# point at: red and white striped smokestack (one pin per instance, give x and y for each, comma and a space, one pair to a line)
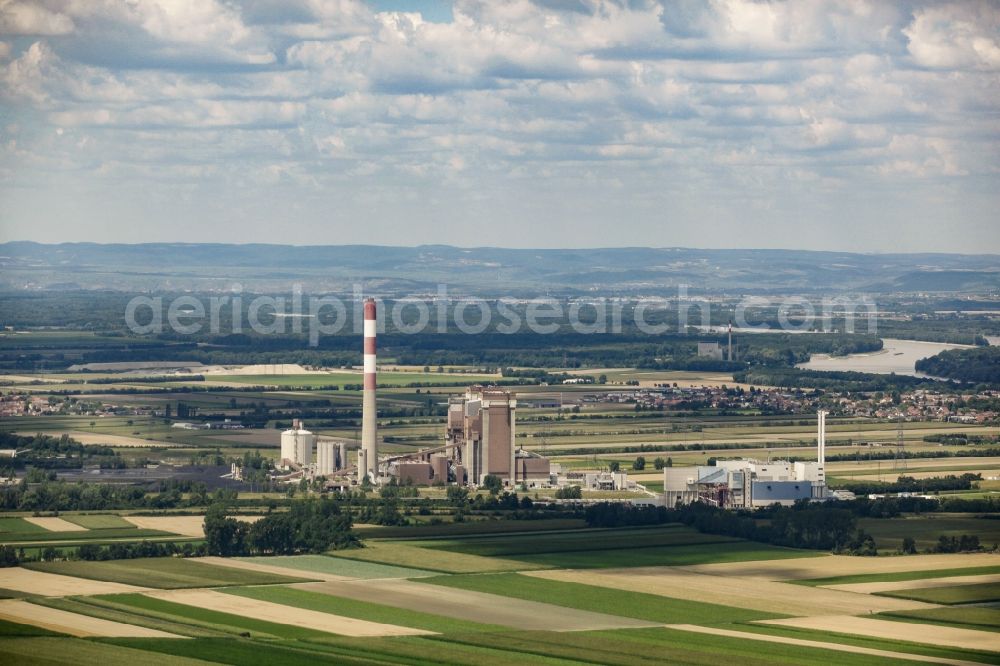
368, 463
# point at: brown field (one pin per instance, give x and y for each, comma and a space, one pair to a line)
844, 565
193, 526
55, 585
103, 440
926, 583
841, 647
55, 524
74, 624
764, 595
474, 606
969, 639
234, 563
271, 612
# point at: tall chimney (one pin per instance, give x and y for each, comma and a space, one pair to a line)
821, 444
730, 357
368, 463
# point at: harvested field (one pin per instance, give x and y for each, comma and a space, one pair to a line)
193, 526
828, 566
474, 606
927, 583
770, 596
970, 639
54, 585
271, 612
55, 524
841, 647
73, 624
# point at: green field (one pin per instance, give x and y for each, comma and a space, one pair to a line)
19, 526
52, 651
98, 521
337, 566
405, 554
926, 529
898, 576
652, 607
83, 536
672, 556
328, 603
955, 594
224, 622
342, 379
163, 572
973, 617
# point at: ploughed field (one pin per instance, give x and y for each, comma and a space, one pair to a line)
551, 596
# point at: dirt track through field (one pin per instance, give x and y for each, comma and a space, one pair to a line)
55, 524
840, 647
474, 606
55, 585
234, 563
829, 566
764, 595
898, 631
193, 526
926, 583
73, 624
272, 612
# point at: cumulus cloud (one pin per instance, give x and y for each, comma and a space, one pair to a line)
510, 109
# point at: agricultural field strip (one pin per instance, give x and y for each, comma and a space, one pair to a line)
927, 583
478, 607
99, 439
339, 568
764, 595
826, 566
235, 563
401, 554
841, 647
192, 526
912, 632
54, 524
74, 624
890, 475
281, 614
46, 584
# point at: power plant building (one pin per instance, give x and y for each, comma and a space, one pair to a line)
747, 484
481, 434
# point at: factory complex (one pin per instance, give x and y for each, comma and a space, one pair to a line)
479, 441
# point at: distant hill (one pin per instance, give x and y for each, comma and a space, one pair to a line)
487, 271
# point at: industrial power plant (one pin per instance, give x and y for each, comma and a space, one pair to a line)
479, 441
747, 483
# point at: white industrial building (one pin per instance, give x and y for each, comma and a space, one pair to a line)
744, 484
296, 446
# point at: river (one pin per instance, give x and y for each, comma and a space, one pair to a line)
899, 356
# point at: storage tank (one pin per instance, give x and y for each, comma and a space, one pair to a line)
296, 445
326, 457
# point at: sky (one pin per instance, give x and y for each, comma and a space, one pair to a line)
861, 125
